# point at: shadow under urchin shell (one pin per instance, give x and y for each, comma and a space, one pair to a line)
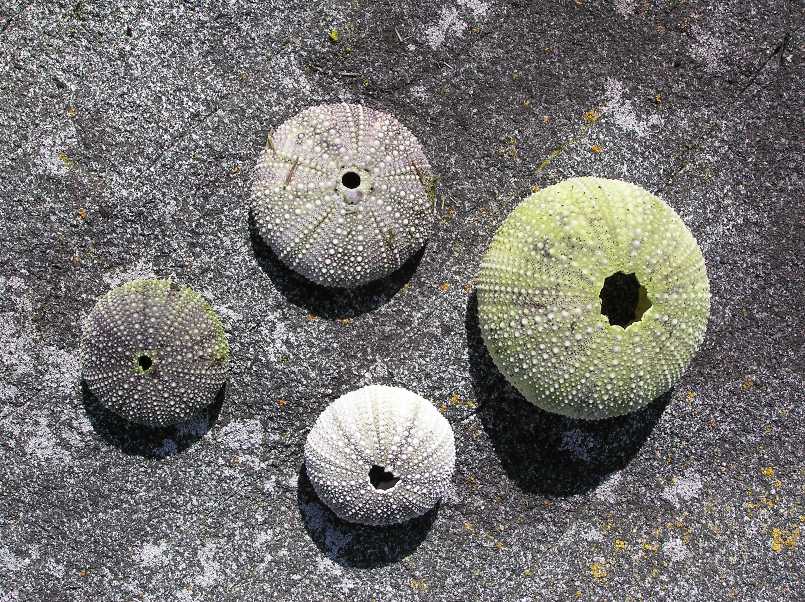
135, 439
358, 546
547, 453
327, 302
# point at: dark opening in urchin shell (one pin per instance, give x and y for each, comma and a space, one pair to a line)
153, 352
343, 194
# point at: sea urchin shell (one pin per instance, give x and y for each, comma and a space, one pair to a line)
343, 194
593, 297
154, 352
380, 455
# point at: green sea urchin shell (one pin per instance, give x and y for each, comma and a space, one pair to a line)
565, 255
343, 194
154, 352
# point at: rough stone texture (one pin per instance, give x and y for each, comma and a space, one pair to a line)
129, 133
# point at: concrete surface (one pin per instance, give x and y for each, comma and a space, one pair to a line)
128, 131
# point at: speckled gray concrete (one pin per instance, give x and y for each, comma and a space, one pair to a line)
128, 134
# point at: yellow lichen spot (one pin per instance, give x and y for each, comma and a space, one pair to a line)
333, 35
527, 573
619, 544
651, 547
657, 98
526, 103
597, 148
592, 116
344, 321
499, 545
767, 471
72, 111
598, 571
65, 158
419, 585
535, 188
781, 538
469, 527
747, 383
468, 287
444, 287
82, 213
443, 408
691, 395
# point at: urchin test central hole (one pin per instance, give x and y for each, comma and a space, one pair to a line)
350, 179
623, 299
145, 362
382, 479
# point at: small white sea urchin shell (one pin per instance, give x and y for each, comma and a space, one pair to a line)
154, 352
343, 194
593, 297
380, 455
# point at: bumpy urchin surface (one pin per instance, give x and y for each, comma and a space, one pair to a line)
380, 455
343, 194
541, 294
154, 352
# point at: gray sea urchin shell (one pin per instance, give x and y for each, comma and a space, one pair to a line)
153, 352
343, 194
593, 297
380, 455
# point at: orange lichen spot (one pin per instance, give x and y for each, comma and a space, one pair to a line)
83, 573
781, 538
747, 383
657, 98
444, 287
546, 119
598, 571
443, 408
282, 402
82, 213
547, 503
767, 471
591, 116
312, 317
597, 148
619, 544
468, 286
535, 188
236, 168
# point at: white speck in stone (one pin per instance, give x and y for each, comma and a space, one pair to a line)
478, 7
62, 370
211, 568
142, 269
683, 489
625, 8
241, 434
592, 534
449, 22
675, 550
11, 563
623, 113
151, 555
607, 491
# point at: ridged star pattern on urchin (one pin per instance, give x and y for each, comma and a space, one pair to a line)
343, 194
540, 297
380, 455
154, 352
